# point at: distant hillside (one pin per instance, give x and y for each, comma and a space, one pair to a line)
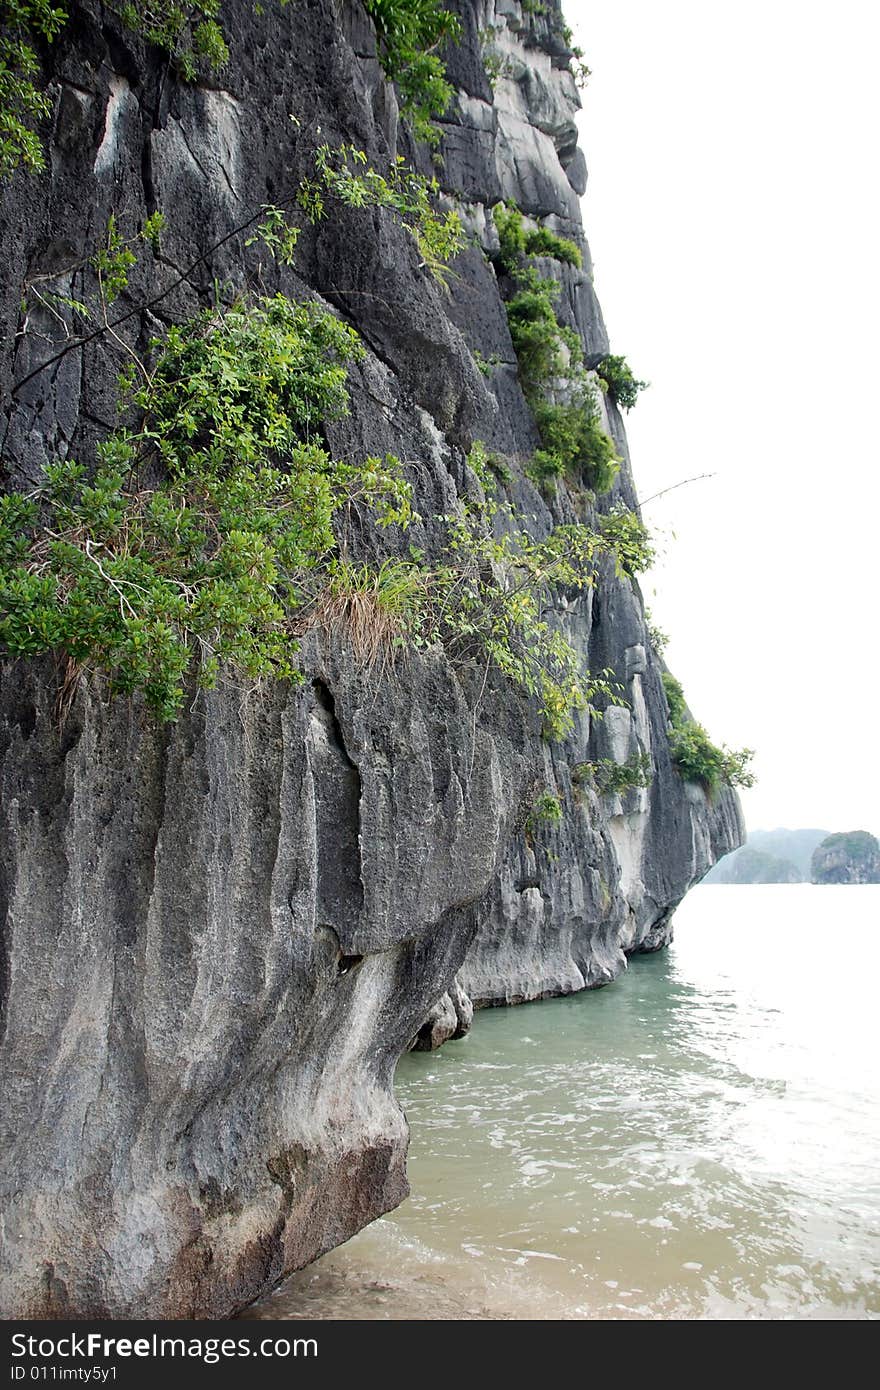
753, 866
789, 853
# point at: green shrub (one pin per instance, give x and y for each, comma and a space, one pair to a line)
345, 175
22, 106
694, 754
543, 242
535, 333
621, 385
486, 365
488, 466
576, 66
516, 242
546, 811
511, 235
656, 636
610, 777
500, 467
234, 552
410, 32
187, 32
494, 61
630, 538
574, 444
696, 757
675, 699
483, 601
489, 600
137, 580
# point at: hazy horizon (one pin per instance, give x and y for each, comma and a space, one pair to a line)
734, 224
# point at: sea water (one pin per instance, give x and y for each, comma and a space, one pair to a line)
698, 1140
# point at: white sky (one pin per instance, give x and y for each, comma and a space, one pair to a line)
732, 212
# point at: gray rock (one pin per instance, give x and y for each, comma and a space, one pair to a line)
450, 1018
576, 171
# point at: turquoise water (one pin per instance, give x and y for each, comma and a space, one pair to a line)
698, 1140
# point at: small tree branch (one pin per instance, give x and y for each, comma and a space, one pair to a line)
643, 501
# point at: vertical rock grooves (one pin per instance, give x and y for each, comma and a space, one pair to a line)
218, 937
337, 783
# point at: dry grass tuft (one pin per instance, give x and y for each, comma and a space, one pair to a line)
375, 608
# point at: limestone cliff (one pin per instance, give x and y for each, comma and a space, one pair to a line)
220, 934
851, 857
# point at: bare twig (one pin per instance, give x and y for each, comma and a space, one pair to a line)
112, 582
643, 501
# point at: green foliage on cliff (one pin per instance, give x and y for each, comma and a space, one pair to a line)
491, 600
488, 466
536, 335
675, 699
377, 606
212, 532
511, 235
622, 386
189, 33
630, 538
516, 241
573, 443
550, 360
543, 242
698, 759
610, 777
482, 601
495, 63
135, 578
118, 256
545, 347
546, 810
410, 33
345, 175
577, 67
23, 25
656, 636
209, 534
486, 601
694, 754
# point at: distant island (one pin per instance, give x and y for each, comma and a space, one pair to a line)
852, 857
770, 856
801, 856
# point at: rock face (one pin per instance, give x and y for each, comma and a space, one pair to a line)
220, 935
851, 857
